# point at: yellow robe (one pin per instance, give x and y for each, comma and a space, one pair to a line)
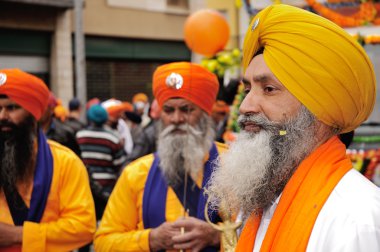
121, 227
68, 221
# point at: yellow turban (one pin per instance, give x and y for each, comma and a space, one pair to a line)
317, 61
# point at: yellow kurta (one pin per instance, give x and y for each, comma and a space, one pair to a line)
121, 228
68, 221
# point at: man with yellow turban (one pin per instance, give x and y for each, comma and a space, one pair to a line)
160, 194
45, 198
306, 80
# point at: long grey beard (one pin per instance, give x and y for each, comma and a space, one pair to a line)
255, 170
181, 153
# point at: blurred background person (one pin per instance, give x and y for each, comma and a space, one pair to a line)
219, 114
102, 153
146, 141
55, 129
115, 109
133, 120
73, 118
140, 102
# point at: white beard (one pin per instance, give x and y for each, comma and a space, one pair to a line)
181, 153
256, 168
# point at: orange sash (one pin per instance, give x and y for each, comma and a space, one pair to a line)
301, 201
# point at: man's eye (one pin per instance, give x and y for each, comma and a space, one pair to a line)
12, 107
269, 89
168, 110
186, 109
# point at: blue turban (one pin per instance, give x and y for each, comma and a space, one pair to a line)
97, 114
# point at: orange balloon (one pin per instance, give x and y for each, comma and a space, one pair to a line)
206, 32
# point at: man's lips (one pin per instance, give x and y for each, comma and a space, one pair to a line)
5, 128
251, 127
178, 131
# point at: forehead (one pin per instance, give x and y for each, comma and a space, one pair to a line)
178, 102
259, 71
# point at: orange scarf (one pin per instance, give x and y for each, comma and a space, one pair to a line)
301, 201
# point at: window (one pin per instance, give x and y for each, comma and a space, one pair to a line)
177, 5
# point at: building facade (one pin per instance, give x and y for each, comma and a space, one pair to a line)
124, 41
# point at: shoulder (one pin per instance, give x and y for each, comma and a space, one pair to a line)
65, 159
138, 169
63, 127
357, 193
60, 150
352, 210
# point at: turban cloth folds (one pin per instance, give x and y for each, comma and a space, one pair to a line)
323, 66
197, 84
116, 107
27, 90
96, 113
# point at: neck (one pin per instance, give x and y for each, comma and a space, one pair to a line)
74, 114
323, 134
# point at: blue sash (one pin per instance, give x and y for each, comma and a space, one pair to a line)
155, 193
43, 175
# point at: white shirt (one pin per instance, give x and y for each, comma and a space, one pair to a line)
125, 133
349, 221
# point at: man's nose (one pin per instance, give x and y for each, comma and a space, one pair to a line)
177, 117
250, 104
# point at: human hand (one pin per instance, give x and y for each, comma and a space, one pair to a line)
198, 234
10, 235
160, 238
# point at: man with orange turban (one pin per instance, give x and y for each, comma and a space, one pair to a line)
45, 199
306, 81
160, 194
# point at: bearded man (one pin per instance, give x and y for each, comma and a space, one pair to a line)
306, 80
45, 199
147, 206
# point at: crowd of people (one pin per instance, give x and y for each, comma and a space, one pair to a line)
139, 175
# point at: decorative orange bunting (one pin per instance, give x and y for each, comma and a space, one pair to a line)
366, 14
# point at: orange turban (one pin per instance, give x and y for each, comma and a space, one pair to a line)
91, 102
25, 89
221, 107
185, 80
115, 107
61, 112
